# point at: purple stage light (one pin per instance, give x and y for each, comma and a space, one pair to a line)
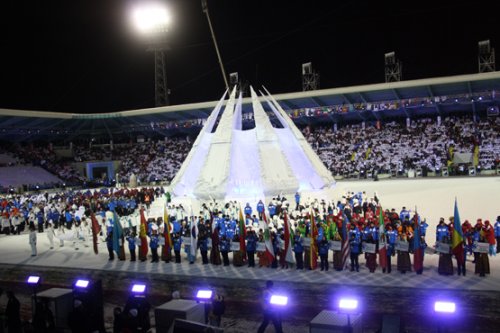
33, 279
82, 283
139, 288
204, 294
279, 300
348, 304
445, 307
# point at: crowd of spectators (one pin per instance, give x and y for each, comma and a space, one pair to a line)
395, 147
355, 150
154, 161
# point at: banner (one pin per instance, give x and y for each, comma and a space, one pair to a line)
306, 241
186, 240
481, 247
402, 246
335, 245
370, 248
381, 245
209, 243
261, 247
442, 247
154, 212
235, 246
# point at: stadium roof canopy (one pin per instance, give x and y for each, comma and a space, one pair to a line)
462, 94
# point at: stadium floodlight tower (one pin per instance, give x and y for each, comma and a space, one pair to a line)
152, 20
486, 56
393, 68
310, 78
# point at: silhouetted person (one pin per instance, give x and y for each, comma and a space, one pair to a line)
218, 309
43, 321
78, 319
118, 320
12, 312
270, 313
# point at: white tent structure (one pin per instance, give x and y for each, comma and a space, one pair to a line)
231, 163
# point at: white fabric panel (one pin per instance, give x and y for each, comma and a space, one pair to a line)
237, 114
185, 179
215, 170
276, 112
303, 169
189, 172
209, 125
244, 177
301, 165
277, 175
318, 165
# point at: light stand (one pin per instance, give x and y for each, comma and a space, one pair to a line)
34, 281
444, 308
205, 296
348, 306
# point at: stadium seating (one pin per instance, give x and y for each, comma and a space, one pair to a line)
17, 176
353, 151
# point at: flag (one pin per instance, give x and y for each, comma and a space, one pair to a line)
346, 250
267, 240
418, 253
382, 250
143, 250
167, 231
118, 237
194, 235
95, 231
243, 236
313, 249
166, 254
288, 240
457, 238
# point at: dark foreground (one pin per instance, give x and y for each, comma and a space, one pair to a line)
478, 311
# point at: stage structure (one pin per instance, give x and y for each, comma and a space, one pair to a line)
231, 163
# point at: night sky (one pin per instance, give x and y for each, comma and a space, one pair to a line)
82, 56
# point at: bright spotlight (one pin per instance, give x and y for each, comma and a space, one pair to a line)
204, 294
82, 283
348, 304
139, 288
150, 18
279, 300
33, 280
445, 307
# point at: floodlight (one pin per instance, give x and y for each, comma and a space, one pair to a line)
33, 280
82, 283
279, 300
348, 304
139, 288
151, 17
445, 307
204, 294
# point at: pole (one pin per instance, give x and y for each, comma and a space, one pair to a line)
205, 10
349, 328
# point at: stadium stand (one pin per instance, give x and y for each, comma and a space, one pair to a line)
16, 176
354, 151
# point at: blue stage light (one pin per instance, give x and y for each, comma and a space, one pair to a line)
279, 300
